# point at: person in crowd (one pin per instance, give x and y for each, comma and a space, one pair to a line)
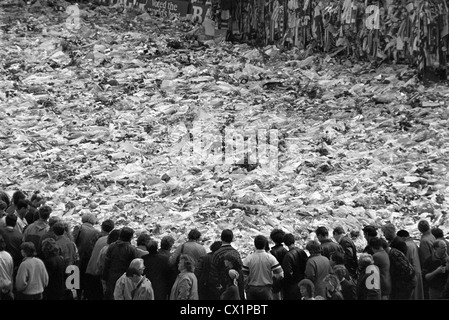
36, 201
118, 257
202, 272
401, 270
141, 244
16, 197
133, 284
369, 232
233, 261
349, 249
439, 235
425, 248
38, 228
413, 258
333, 288
294, 267
55, 266
49, 234
348, 284
307, 289
382, 261
435, 270
21, 210
112, 237
232, 289
67, 247
368, 282
328, 247
13, 240
94, 289
158, 271
278, 251
186, 283
191, 247
389, 232
85, 236
6, 272
317, 267
5, 198
3, 207
32, 276
218, 270
259, 268
167, 243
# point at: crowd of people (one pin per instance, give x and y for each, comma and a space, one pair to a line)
37, 249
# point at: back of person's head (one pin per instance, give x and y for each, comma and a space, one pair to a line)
135, 267
313, 246
333, 283
107, 225
11, 220
338, 257
438, 243
194, 234
37, 197
340, 271
44, 212
370, 231
22, 203
215, 246
18, 195
365, 260
143, 238
277, 235
113, 236
399, 244
49, 247
28, 248
5, 197
389, 231
59, 228
403, 233
233, 258
2, 243
308, 285
423, 226
437, 232
52, 221
227, 236
126, 234
189, 262
376, 243
260, 242
289, 239
338, 230
322, 231
89, 218
167, 242
152, 246
3, 205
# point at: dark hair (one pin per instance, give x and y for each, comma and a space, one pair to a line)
152, 246
18, 195
289, 239
36, 196
437, 232
4, 196
370, 231
113, 236
375, 243
49, 248
338, 230
399, 244
215, 246
403, 233
143, 238
340, 271
126, 234
11, 220
2, 243
28, 248
59, 228
277, 235
322, 231
44, 212
52, 220
189, 262
260, 242
233, 258
227, 236
338, 257
107, 225
167, 242
423, 226
22, 203
308, 285
313, 246
194, 234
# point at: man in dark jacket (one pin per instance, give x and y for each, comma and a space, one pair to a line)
328, 247
118, 257
38, 228
350, 250
294, 266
